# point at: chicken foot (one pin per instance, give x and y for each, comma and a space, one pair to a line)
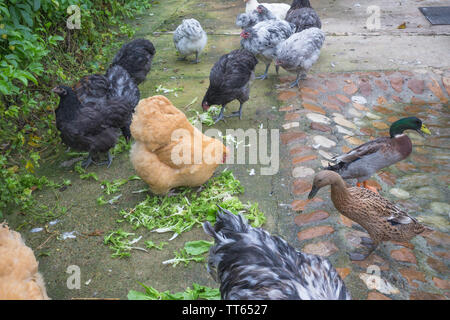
264, 76
107, 162
86, 163
196, 57
220, 116
237, 113
300, 76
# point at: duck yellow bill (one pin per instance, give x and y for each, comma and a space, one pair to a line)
425, 130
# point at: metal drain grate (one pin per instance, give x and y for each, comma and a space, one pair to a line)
436, 15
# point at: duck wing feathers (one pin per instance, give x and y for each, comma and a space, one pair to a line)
373, 146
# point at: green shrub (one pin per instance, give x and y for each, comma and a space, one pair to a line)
38, 51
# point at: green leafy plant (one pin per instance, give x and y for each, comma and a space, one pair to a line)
150, 245
192, 251
37, 51
179, 213
197, 292
119, 243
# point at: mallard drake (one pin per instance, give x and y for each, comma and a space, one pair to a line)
251, 264
363, 161
382, 219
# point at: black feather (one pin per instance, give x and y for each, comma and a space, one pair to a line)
229, 78
136, 57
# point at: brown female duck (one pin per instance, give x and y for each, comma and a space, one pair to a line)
382, 219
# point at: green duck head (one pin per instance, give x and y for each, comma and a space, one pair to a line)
410, 123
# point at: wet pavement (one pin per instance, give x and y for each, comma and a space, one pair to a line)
362, 82
331, 113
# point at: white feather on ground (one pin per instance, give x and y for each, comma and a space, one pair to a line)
190, 38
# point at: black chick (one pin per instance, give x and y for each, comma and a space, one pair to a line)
303, 16
90, 126
116, 83
136, 57
229, 80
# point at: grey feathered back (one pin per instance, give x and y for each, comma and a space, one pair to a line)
301, 50
189, 28
304, 18
250, 263
265, 37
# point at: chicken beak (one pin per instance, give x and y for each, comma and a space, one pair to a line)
313, 192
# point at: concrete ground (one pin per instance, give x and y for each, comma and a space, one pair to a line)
377, 65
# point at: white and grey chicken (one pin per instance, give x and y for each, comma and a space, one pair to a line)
251, 264
247, 20
263, 39
300, 51
190, 38
278, 9
303, 16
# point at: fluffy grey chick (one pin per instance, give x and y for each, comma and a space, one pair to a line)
190, 38
247, 20
263, 39
303, 16
300, 51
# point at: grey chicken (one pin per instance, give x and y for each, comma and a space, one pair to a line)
229, 79
263, 39
190, 38
300, 51
261, 13
303, 16
251, 264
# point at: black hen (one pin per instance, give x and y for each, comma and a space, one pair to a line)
136, 57
90, 126
251, 264
229, 80
303, 16
114, 84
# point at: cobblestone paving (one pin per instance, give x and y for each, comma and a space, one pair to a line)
333, 112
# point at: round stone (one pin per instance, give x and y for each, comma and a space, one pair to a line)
290, 125
370, 115
400, 193
315, 117
344, 131
440, 207
324, 142
325, 154
375, 282
359, 99
301, 172
429, 193
344, 122
354, 113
